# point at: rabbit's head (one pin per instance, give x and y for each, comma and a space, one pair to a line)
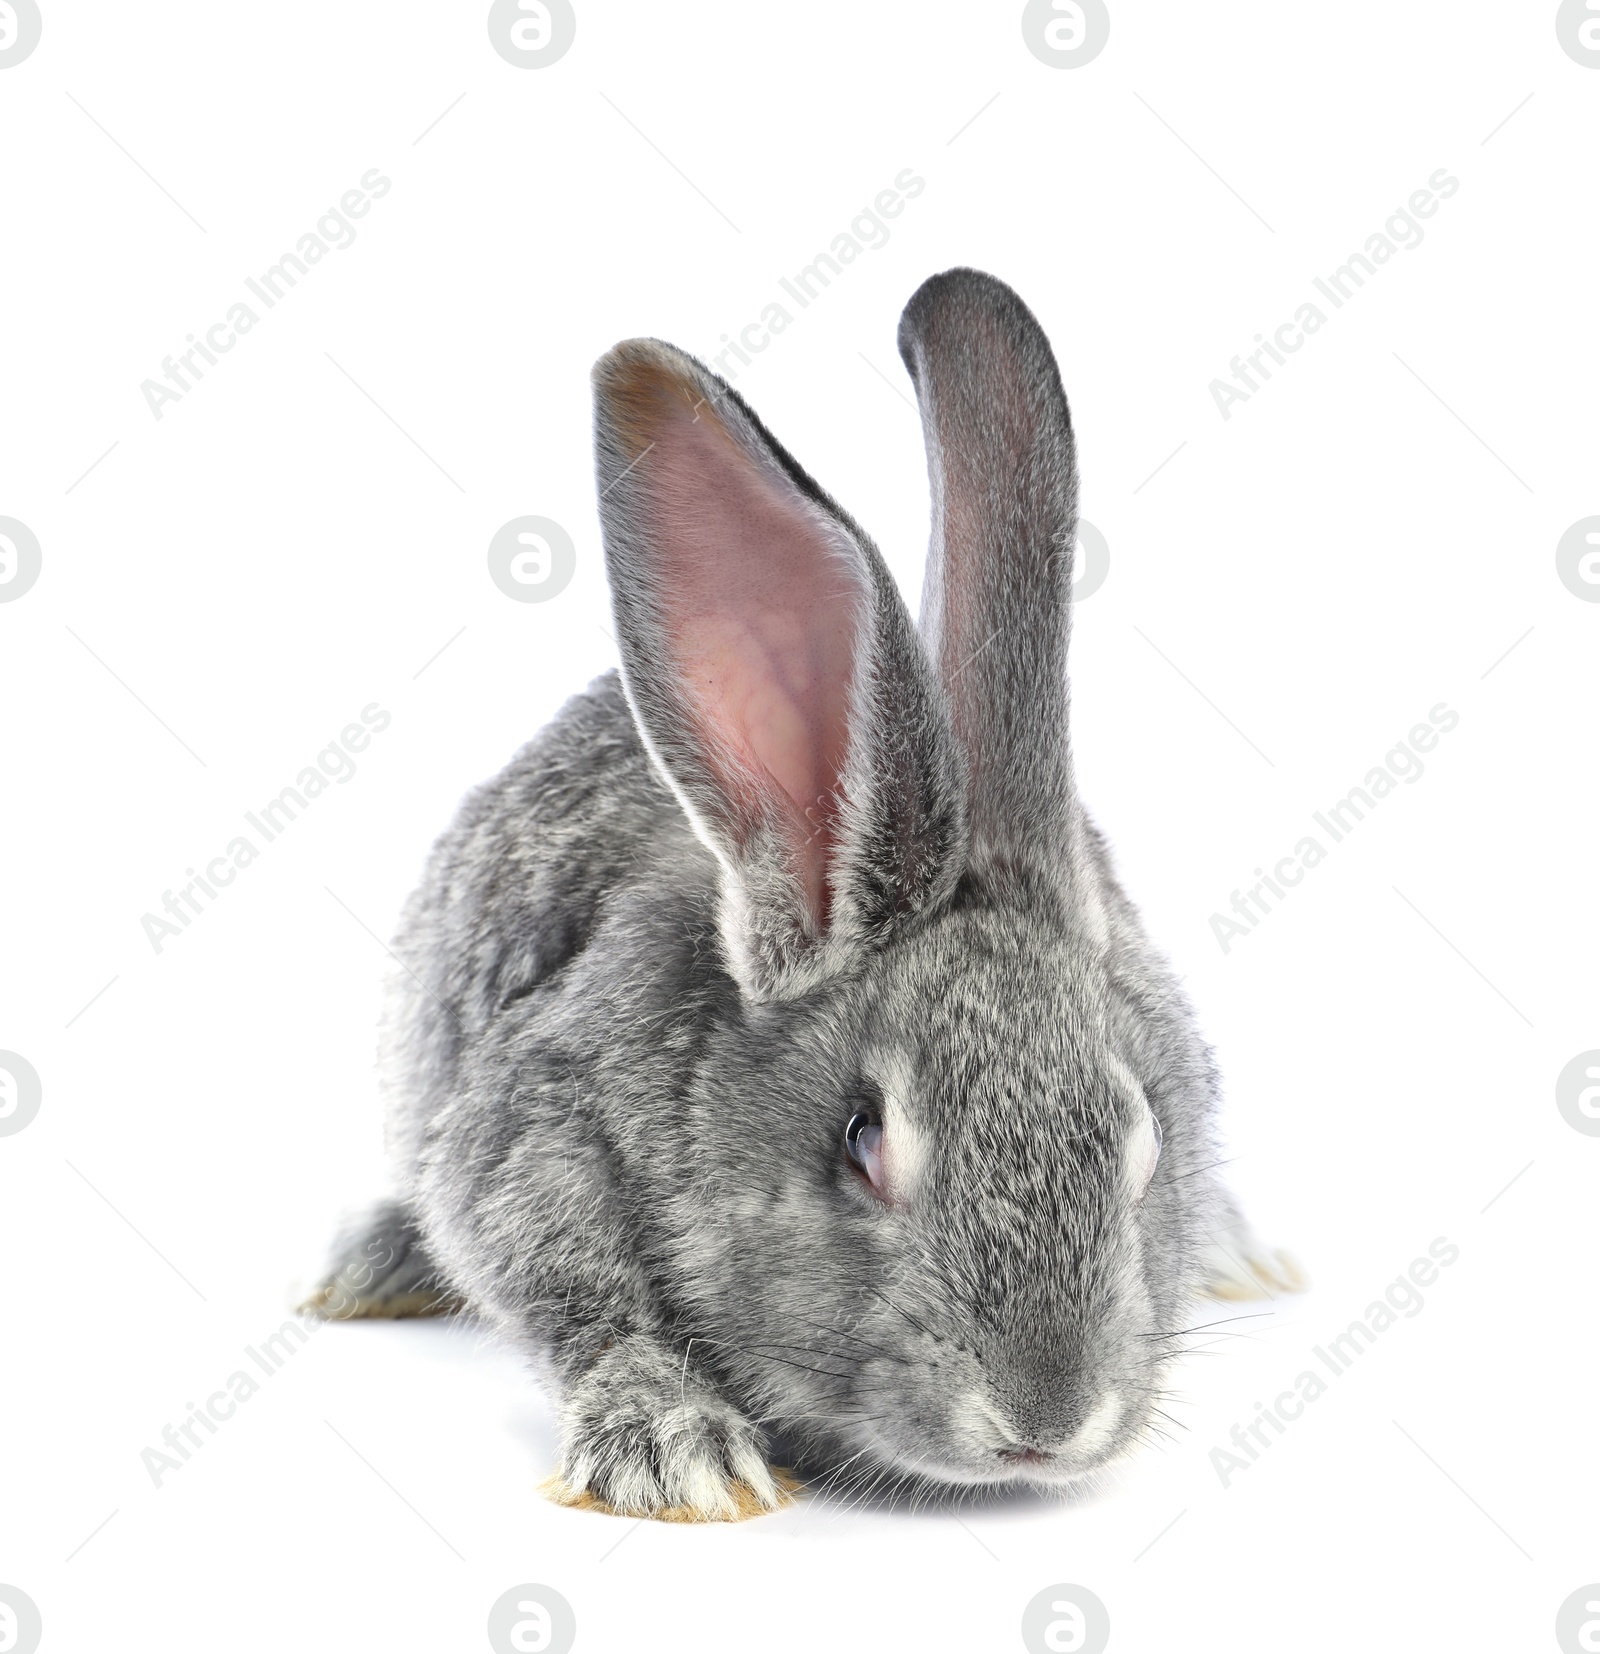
949, 1128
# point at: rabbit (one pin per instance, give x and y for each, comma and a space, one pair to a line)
773, 1054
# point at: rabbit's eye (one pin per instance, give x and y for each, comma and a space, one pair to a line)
863, 1143
1152, 1154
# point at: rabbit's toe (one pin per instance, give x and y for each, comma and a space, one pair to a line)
1240, 1267
644, 1444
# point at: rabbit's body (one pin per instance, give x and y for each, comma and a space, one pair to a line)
811, 870
563, 843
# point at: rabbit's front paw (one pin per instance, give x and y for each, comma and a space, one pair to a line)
642, 1438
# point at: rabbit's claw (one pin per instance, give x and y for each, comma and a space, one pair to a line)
747, 1502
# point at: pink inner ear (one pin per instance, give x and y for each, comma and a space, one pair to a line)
761, 611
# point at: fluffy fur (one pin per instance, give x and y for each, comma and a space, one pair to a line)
795, 855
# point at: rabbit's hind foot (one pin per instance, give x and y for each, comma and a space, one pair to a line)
1240, 1267
380, 1271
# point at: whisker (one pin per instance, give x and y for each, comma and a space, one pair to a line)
1216, 1165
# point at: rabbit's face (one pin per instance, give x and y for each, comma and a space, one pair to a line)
971, 1273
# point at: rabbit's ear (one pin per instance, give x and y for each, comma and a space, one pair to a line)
774, 674
997, 598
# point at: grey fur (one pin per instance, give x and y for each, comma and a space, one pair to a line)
619, 1057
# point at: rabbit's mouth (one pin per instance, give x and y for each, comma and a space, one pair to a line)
1025, 1456
1029, 1467
980, 1447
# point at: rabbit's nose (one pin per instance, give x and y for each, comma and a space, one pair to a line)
1016, 1434
1036, 1429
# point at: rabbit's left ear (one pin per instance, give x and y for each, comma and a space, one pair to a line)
774, 674
997, 602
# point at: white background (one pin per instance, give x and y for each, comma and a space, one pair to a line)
1292, 591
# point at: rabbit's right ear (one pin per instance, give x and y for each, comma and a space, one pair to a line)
774, 673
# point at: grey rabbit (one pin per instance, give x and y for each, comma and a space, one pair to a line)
773, 1054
